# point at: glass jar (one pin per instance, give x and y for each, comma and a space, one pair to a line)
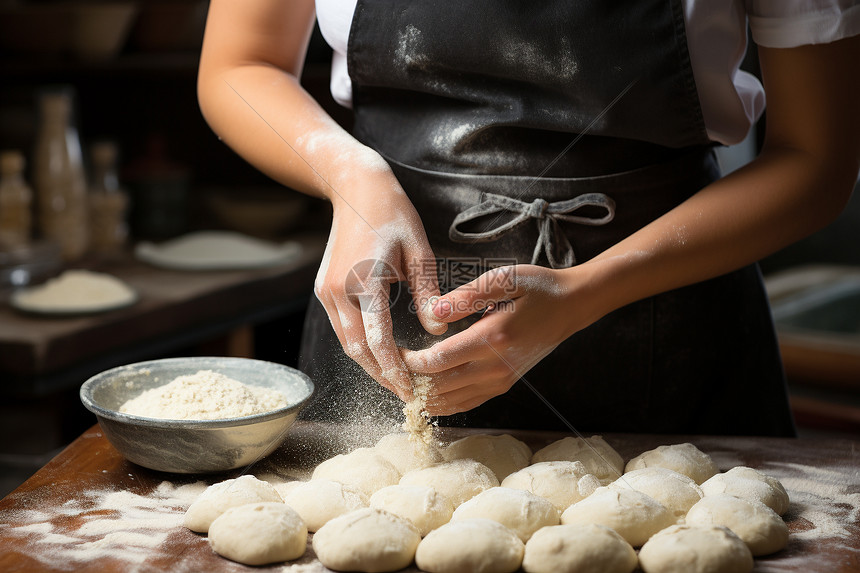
58, 176
16, 199
108, 202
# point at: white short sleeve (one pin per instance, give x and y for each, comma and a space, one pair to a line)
792, 23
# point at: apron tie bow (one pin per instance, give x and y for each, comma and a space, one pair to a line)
537, 208
547, 217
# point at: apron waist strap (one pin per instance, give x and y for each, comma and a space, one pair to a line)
547, 216
486, 216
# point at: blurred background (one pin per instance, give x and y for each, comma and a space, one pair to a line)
126, 72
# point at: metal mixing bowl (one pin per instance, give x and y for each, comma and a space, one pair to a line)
193, 446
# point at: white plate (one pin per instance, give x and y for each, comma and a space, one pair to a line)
216, 250
19, 301
68, 311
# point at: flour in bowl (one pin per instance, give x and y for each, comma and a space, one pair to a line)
206, 395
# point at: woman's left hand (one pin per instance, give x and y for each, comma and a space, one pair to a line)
528, 311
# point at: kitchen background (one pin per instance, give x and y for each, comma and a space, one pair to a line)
130, 70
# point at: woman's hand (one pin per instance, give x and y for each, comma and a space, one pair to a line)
528, 311
376, 239
800, 181
250, 94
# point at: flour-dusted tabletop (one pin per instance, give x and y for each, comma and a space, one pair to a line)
91, 510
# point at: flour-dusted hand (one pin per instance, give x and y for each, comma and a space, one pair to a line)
376, 239
250, 94
528, 311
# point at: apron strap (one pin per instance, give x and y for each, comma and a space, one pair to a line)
546, 215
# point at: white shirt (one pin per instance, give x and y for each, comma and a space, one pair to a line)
731, 100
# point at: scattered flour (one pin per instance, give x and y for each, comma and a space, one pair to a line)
537, 63
410, 48
116, 525
821, 497
450, 137
42, 527
76, 290
206, 395
136, 529
303, 568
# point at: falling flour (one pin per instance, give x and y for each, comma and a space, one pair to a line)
418, 423
206, 395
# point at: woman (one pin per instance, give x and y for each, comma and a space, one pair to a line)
575, 140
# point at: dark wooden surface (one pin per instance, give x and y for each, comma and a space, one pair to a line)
37, 352
37, 525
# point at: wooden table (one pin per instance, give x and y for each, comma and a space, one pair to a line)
91, 510
41, 354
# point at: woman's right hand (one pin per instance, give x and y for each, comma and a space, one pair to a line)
377, 238
250, 94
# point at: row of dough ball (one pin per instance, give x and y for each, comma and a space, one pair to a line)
470, 465
465, 490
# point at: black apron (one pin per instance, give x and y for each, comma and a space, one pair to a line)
545, 133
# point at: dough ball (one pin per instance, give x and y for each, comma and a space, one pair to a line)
321, 500
598, 457
562, 483
457, 480
586, 548
259, 533
751, 484
407, 453
756, 524
695, 549
219, 497
634, 515
368, 540
685, 459
470, 546
503, 454
285, 487
520, 511
676, 491
363, 468
421, 505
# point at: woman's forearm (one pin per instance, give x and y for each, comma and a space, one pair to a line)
266, 117
783, 196
798, 184
250, 95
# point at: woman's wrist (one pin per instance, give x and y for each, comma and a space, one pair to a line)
593, 289
354, 171
367, 187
